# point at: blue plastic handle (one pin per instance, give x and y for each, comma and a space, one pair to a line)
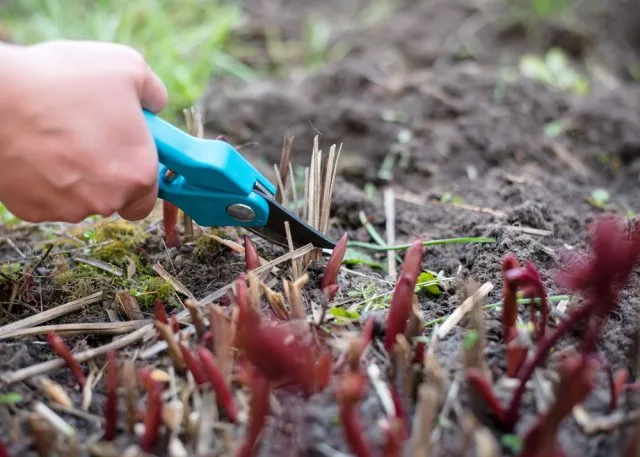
211, 176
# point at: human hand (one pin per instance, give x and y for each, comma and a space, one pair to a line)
73, 138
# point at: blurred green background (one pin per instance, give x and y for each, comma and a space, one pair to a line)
190, 41
186, 42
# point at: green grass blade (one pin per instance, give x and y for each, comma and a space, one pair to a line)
521, 301
428, 243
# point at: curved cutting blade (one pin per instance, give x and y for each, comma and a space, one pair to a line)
275, 232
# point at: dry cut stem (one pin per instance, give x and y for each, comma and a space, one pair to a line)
319, 183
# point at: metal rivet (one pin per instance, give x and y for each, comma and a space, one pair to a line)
170, 175
240, 212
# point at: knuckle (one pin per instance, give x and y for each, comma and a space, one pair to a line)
98, 203
35, 217
104, 209
145, 177
75, 217
79, 213
138, 62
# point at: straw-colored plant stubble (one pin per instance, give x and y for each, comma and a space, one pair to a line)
320, 178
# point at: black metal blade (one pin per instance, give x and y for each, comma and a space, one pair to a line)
301, 232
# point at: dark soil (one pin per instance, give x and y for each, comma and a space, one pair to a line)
429, 85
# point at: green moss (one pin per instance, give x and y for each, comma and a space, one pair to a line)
101, 231
151, 288
118, 230
206, 246
116, 253
10, 270
82, 280
123, 239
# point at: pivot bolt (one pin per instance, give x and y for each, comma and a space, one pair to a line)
241, 212
169, 176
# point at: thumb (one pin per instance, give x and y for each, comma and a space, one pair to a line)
152, 92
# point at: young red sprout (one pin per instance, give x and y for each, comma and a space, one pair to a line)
161, 312
349, 395
482, 389
208, 340
250, 254
577, 380
402, 298
144, 378
517, 350
418, 353
3, 450
170, 223
213, 373
175, 324
631, 450
111, 405
617, 382
510, 304
400, 416
63, 351
395, 435
275, 350
197, 319
367, 332
528, 280
258, 411
329, 284
193, 365
323, 372
278, 354
153, 416
598, 278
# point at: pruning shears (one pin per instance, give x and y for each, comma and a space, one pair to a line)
216, 186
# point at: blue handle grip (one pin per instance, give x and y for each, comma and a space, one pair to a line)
211, 176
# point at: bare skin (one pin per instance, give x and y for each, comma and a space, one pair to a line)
73, 139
